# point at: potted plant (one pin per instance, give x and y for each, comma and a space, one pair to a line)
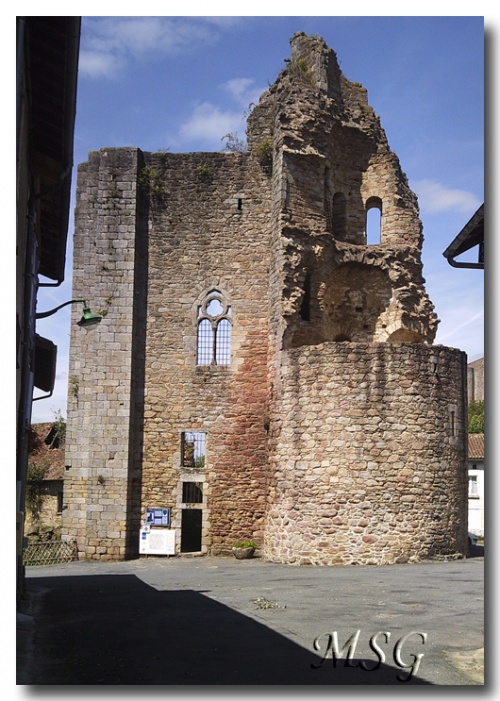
244, 549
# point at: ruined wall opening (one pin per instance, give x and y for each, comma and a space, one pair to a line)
342, 338
373, 226
405, 336
305, 307
339, 216
354, 297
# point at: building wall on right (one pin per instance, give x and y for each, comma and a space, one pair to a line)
476, 497
475, 380
476, 483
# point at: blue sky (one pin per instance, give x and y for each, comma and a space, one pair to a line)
182, 83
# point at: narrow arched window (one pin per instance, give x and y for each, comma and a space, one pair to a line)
223, 342
214, 330
205, 342
373, 221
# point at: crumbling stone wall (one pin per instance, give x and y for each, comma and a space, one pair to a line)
332, 165
334, 429
341, 310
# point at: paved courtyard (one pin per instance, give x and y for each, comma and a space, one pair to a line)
220, 621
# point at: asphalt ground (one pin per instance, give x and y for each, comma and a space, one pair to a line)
226, 622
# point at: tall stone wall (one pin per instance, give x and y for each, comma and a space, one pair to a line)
367, 455
208, 232
156, 235
102, 470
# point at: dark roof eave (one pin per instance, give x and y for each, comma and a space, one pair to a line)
54, 88
471, 235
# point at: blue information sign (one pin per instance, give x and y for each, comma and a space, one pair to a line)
158, 516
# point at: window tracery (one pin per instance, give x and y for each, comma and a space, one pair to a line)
214, 330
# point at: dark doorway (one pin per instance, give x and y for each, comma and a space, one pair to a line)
191, 530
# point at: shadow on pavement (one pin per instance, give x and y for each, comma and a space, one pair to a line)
115, 629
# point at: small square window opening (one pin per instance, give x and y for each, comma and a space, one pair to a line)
192, 492
193, 449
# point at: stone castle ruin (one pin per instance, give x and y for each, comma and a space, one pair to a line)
263, 368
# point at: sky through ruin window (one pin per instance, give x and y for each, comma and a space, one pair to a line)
373, 221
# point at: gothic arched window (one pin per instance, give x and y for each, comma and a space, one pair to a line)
214, 330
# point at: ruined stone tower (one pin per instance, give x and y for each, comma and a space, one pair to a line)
264, 369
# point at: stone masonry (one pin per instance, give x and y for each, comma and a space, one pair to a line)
264, 366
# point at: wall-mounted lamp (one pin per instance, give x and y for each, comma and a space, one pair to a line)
88, 319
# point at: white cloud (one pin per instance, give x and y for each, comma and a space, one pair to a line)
109, 43
434, 197
243, 90
208, 123
459, 301
459, 326
223, 20
95, 64
467, 336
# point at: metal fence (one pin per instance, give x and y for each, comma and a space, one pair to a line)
50, 553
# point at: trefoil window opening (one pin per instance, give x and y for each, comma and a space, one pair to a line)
214, 331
